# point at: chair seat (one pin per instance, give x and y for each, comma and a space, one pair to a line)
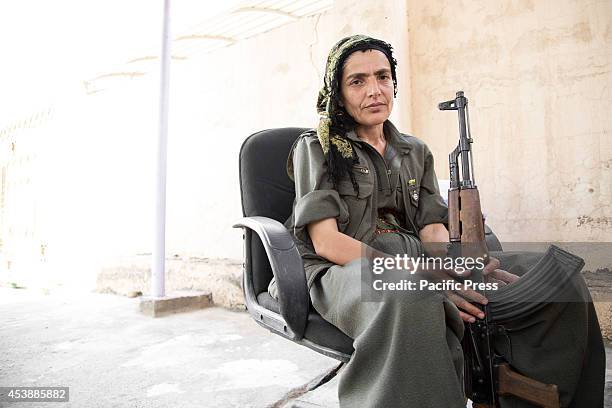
318, 330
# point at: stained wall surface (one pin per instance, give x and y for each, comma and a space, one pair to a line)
97, 168
538, 75
269, 81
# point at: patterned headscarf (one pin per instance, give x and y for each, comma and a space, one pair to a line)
335, 121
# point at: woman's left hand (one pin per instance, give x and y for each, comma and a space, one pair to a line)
464, 298
492, 273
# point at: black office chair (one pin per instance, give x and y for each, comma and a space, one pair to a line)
267, 198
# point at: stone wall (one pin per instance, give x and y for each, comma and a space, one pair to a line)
131, 276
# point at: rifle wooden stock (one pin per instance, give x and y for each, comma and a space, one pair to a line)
512, 383
465, 222
472, 227
509, 382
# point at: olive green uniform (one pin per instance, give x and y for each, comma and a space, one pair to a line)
385, 371
407, 348
356, 211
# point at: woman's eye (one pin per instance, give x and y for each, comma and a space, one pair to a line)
355, 82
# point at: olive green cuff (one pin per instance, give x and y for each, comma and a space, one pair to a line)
319, 205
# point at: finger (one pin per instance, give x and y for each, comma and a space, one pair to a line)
466, 306
438, 274
438, 270
500, 283
466, 317
491, 266
504, 276
472, 295
464, 273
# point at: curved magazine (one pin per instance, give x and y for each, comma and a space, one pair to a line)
554, 278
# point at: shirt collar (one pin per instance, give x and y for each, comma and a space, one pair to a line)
393, 135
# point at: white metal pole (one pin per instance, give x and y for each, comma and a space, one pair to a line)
158, 278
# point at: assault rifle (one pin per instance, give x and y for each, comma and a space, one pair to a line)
486, 374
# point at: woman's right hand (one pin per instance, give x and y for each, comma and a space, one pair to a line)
465, 298
462, 298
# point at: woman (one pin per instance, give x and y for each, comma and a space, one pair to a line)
360, 182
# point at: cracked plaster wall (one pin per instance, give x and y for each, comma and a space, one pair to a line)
538, 75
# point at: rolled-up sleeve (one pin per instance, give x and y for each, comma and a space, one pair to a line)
431, 209
316, 199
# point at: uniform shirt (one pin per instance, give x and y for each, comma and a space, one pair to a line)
390, 206
356, 212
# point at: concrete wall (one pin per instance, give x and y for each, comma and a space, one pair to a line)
219, 99
97, 166
538, 75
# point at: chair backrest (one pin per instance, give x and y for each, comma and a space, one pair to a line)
265, 188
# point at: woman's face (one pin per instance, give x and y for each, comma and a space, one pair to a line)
366, 88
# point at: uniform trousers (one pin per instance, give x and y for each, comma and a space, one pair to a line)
407, 348
408, 352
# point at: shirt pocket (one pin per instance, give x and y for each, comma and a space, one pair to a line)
363, 177
346, 189
357, 203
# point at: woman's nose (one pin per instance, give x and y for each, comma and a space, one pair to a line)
373, 88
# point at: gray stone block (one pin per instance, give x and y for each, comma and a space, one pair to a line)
174, 302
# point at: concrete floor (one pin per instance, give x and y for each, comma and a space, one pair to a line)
110, 355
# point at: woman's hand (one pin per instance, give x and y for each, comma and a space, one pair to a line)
492, 273
466, 299
463, 298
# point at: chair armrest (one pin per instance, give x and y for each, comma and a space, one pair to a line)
287, 268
